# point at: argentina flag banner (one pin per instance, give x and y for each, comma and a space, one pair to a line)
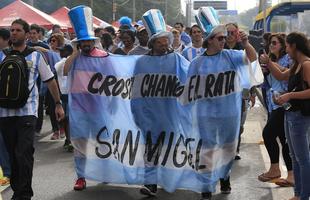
156, 119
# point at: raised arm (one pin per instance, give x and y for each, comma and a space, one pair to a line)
305, 94
249, 49
70, 60
43, 50
277, 71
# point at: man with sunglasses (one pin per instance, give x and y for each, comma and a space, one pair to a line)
233, 37
233, 42
215, 62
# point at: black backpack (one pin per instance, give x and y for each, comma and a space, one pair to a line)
14, 75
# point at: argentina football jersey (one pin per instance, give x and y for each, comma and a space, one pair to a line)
191, 52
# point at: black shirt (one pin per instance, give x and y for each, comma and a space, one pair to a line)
295, 84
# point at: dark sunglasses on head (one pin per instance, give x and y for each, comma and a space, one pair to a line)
231, 33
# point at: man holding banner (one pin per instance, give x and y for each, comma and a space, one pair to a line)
225, 73
162, 59
84, 48
150, 120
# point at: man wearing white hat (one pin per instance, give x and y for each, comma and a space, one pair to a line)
216, 60
162, 58
84, 47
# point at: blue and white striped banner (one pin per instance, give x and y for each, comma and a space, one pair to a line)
150, 120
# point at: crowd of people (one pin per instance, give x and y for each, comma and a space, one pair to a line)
285, 61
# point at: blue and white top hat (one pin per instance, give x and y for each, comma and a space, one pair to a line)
155, 25
208, 20
81, 18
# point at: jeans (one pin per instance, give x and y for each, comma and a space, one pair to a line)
297, 130
4, 158
18, 135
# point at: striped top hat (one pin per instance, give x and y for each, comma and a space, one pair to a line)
155, 25
208, 20
81, 18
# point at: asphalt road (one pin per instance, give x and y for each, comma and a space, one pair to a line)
54, 174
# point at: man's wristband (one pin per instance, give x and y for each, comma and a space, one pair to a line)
58, 102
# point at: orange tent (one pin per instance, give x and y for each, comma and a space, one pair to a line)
19, 9
62, 15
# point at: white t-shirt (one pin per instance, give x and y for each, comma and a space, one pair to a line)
62, 80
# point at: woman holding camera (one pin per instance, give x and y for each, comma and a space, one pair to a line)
274, 127
297, 118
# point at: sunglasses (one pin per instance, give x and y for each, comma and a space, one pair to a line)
274, 43
53, 40
196, 31
231, 33
220, 38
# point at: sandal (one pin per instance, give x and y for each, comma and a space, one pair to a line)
284, 183
265, 178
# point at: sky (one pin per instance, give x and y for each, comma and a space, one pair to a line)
234, 4
240, 5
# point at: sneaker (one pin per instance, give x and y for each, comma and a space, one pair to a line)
206, 196
68, 146
67, 142
4, 181
55, 136
80, 184
62, 133
149, 190
225, 186
237, 157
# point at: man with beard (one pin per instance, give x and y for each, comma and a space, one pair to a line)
84, 48
163, 60
18, 124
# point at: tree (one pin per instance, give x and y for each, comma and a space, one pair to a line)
247, 18
103, 8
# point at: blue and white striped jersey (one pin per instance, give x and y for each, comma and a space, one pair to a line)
191, 52
36, 66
